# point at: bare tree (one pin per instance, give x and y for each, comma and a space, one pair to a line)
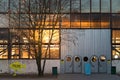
37, 15
39, 18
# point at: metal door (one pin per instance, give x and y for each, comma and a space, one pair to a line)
102, 64
68, 64
94, 64
77, 64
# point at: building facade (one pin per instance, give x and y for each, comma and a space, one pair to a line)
85, 31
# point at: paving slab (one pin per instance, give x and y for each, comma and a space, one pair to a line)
88, 77
65, 77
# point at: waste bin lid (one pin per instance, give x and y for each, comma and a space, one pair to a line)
94, 59
102, 58
68, 59
85, 58
77, 59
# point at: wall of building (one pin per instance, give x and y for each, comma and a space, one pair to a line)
31, 67
116, 63
86, 42
73, 42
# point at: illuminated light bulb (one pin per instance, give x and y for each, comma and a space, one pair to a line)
116, 56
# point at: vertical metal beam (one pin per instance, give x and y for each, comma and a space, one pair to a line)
111, 26
100, 14
80, 13
9, 35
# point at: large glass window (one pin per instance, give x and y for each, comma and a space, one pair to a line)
75, 5
116, 44
24, 43
15, 52
24, 21
65, 21
3, 43
105, 20
3, 5
95, 21
14, 6
24, 6
54, 5
105, 6
49, 49
85, 20
95, 5
3, 36
115, 6
115, 20
14, 21
65, 6
52, 52
115, 51
30, 43
85, 6
24, 51
3, 52
4, 22
33, 6
75, 21
116, 36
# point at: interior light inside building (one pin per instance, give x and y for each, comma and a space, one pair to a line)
116, 56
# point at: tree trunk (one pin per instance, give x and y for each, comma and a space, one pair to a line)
38, 61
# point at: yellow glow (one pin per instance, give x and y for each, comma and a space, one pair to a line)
47, 24
47, 34
5, 55
25, 40
67, 23
46, 39
85, 24
116, 56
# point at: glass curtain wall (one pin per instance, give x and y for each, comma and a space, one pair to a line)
28, 27
16, 19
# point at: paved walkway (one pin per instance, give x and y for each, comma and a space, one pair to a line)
68, 77
88, 77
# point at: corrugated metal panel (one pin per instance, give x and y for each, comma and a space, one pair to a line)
85, 42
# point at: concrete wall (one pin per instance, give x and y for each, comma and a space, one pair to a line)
31, 67
116, 63
4, 66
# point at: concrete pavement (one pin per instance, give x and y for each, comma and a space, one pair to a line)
88, 77
68, 77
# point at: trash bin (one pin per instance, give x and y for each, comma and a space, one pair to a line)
54, 71
87, 67
113, 70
